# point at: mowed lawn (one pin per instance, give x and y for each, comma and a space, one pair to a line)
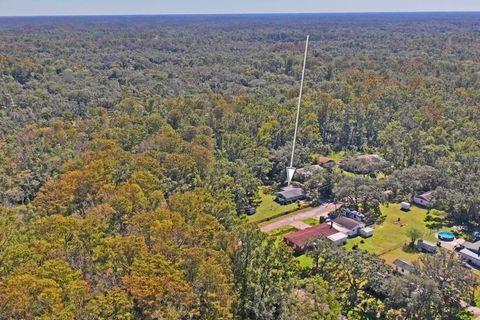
269, 208
390, 237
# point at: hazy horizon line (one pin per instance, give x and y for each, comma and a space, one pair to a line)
227, 13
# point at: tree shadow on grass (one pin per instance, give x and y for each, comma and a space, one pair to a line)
409, 248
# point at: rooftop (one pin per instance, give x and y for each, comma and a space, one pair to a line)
324, 160
426, 243
348, 223
470, 254
473, 246
291, 192
427, 196
403, 264
301, 237
337, 236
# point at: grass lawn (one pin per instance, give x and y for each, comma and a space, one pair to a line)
282, 231
290, 214
269, 208
390, 237
311, 221
304, 261
337, 156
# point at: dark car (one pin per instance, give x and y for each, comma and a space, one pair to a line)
250, 210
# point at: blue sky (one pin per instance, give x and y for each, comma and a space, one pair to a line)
96, 7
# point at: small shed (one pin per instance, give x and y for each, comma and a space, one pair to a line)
326, 162
426, 246
366, 232
405, 206
338, 238
402, 266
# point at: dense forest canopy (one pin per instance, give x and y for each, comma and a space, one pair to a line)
129, 145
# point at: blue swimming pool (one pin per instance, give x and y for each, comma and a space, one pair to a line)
446, 236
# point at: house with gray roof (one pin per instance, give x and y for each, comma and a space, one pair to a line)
350, 227
290, 194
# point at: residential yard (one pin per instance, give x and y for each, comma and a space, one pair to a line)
337, 156
311, 221
390, 239
282, 231
269, 208
304, 261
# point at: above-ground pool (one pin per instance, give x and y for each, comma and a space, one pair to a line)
446, 236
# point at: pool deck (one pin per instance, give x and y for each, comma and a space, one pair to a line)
451, 245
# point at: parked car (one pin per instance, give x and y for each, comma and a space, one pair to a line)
250, 210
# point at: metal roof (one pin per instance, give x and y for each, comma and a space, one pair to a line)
470, 254
403, 264
348, 223
291, 192
301, 237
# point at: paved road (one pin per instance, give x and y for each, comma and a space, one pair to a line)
317, 212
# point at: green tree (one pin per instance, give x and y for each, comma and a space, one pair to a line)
414, 234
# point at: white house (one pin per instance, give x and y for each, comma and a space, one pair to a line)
348, 226
470, 257
425, 199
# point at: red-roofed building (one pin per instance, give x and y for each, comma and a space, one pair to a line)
298, 240
326, 162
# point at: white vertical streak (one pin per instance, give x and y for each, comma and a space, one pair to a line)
299, 103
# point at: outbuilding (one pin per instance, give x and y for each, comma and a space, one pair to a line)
338, 238
405, 206
366, 232
426, 246
402, 266
326, 162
